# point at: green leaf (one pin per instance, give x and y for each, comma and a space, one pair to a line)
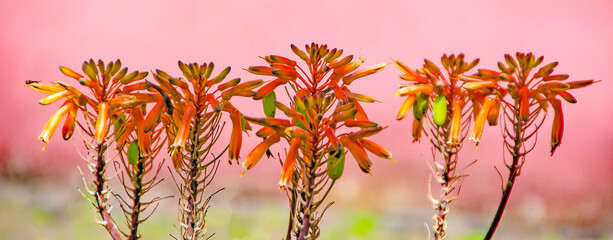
421, 105
269, 104
439, 110
336, 164
133, 152
298, 122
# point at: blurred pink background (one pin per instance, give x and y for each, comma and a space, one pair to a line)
38, 36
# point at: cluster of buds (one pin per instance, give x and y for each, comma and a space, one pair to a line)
438, 98
117, 98
199, 100
321, 104
530, 94
112, 95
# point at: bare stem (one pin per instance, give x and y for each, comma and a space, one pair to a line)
503, 201
514, 170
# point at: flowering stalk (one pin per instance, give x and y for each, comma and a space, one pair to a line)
132, 133
531, 95
193, 129
441, 102
321, 117
100, 109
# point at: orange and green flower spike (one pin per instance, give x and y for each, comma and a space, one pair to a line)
438, 97
201, 99
320, 106
105, 101
532, 89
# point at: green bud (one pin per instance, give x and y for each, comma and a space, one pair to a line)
439, 110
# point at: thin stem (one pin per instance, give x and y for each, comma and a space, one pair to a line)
290, 225
505, 198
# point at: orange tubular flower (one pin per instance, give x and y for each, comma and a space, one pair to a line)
492, 116
69, 123
416, 130
264, 132
144, 139
54, 121
256, 154
184, 129
405, 107
557, 128
376, 149
456, 122
44, 87
524, 104
290, 161
236, 136
489, 103
358, 152
153, 118
414, 89
471, 86
361, 124
125, 133
363, 73
268, 88
53, 97
360, 114
102, 124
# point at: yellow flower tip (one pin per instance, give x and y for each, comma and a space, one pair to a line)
176, 157
245, 171
476, 143
283, 183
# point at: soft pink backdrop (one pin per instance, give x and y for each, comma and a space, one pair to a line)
38, 36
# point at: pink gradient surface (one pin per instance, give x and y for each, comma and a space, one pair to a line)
38, 36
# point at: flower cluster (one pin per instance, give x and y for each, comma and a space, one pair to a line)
530, 94
320, 105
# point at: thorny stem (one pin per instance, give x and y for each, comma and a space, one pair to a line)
193, 182
306, 205
100, 194
442, 205
136, 203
